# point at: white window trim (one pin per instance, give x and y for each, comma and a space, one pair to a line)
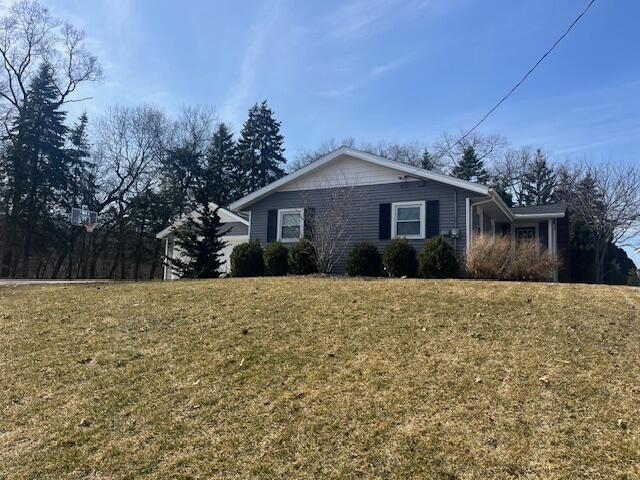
394, 207
281, 212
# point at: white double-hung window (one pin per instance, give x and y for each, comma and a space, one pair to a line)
408, 220
290, 224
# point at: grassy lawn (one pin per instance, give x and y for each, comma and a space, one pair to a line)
320, 378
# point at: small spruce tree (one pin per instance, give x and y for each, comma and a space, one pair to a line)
200, 245
427, 162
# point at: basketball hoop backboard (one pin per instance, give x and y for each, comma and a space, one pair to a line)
81, 217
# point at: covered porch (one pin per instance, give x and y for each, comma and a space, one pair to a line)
546, 224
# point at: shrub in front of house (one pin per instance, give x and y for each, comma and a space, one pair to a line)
247, 259
276, 259
438, 259
302, 258
399, 258
364, 260
501, 258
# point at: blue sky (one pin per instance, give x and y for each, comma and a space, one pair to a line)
379, 69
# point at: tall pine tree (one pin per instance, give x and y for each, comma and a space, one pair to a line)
538, 182
40, 168
81, 184
470, 167
219, 165
260, 150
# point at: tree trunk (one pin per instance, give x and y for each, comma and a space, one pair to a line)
58, 265
138, 252
154, 260
600, 253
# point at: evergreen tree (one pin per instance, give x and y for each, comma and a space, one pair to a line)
81, 181
427, 162
501, 187
538, 182
260, 150
219, 166
564, 186
199, 240
38, 163
201, 246
180, 173
470, 167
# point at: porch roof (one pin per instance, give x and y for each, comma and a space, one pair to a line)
557, 210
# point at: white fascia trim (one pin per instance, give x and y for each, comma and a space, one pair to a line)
394, 206
541, 216
501, 205
281, 212
409, 170
195, 215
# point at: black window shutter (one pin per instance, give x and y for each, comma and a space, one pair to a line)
433, 218
272, 225
385, 221
309, 217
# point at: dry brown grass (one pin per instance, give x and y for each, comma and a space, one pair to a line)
499, 257
320, 378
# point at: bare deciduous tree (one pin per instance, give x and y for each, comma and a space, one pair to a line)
130, 142
447, 150
608, 202
330, 228
30, 36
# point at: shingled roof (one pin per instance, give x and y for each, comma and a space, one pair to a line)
539, 209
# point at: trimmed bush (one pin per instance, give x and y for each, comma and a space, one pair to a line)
399, 258
364, 260
246, 260
276, 259
302, 258
501, 258
438, 259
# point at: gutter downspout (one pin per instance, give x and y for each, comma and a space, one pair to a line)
455, 216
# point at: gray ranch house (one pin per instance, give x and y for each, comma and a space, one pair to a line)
368, 197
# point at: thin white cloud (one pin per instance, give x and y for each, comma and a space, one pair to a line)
387, 67
361, 18
258, 35
358, 18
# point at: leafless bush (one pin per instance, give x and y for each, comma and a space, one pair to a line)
501, 258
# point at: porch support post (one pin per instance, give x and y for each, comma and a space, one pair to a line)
469, 221
553, 247
164, 262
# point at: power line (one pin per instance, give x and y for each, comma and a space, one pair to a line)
526, 75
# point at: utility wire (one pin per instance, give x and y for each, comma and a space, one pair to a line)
526, 75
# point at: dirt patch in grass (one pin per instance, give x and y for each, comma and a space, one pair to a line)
320, 378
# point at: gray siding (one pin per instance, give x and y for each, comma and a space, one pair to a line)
365, 204
235, 228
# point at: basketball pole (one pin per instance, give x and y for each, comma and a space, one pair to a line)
70, 261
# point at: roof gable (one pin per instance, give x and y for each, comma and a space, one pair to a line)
388, 166
226, 216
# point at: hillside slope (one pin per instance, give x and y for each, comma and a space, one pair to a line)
320, 378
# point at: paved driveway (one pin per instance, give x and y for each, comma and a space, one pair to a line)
13, 282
